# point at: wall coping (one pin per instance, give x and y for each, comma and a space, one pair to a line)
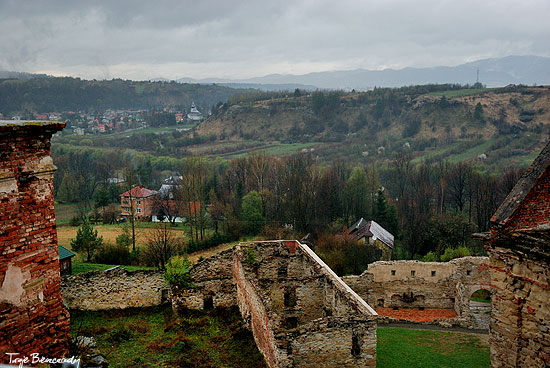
363, 306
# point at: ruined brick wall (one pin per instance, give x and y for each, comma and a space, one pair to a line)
520, 319
32, 317
413, 284
519, 253
255, 313
213, 284
114, 289
534, 210
294, 304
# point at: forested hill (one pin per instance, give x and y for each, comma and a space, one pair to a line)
432, 121
18, 96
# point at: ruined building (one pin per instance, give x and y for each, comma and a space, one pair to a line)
32, 316
519, 254
301, 314
416, 284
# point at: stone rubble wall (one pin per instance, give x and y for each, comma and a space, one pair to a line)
32, 316
328, 343
114, 289
520, 319
301, 314
414, 284
212, 278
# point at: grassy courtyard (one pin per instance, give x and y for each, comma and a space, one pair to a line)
153, 337
422, 349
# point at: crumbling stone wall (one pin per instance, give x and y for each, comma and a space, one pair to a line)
519, 252
114, 289
301, 314
414, 284
520, 320
213, 284
32, 317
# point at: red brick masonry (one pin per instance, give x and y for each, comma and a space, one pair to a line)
32, 316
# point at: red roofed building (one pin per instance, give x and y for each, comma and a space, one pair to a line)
138, 200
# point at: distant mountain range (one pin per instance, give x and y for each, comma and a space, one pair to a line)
19, 75
496, 72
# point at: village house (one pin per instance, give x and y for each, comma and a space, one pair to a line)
167, 207
138, 201
65, 260
370, 232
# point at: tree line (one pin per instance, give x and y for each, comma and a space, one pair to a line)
428, 207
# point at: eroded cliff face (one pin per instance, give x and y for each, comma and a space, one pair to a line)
352, 117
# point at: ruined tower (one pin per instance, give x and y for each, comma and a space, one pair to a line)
32, 316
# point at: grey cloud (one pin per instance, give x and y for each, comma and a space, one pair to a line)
244, 38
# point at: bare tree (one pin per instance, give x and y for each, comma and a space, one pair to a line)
191, 195
130, 179
161, 245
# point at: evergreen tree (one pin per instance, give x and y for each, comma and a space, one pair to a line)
385, 214
478, 112
86, 240
252, 212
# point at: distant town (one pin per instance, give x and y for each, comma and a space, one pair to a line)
115, 121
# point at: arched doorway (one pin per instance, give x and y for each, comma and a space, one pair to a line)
480, 308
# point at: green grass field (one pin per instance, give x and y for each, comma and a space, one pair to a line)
152, 130
472, 152
153, 337
430, 349
81, 267
272, 149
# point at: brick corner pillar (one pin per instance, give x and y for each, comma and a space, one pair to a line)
32, 316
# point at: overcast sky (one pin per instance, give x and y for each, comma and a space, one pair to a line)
143, 39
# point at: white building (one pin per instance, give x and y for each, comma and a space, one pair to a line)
194, 115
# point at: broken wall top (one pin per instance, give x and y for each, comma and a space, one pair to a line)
528, 204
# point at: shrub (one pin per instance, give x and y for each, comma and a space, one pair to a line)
250, 257
430, 257
178, 271
452, 253
119, 334
113, 254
